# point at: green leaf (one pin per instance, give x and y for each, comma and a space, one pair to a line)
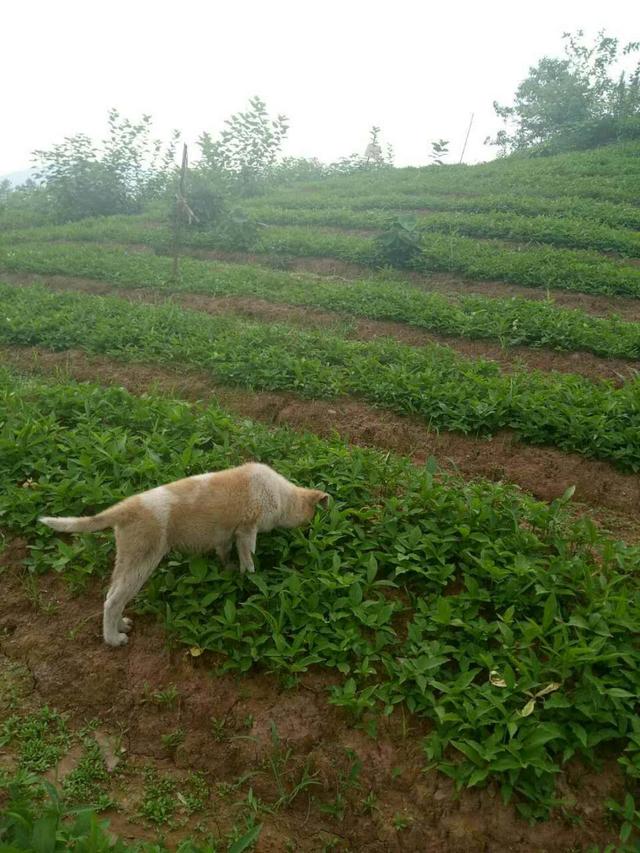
355, 593
229, 611
43, 839
247, 840
550, 609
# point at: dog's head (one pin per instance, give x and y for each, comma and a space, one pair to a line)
304, 507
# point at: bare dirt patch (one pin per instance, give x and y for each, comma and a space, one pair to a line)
612, 497
591, 366
227, 725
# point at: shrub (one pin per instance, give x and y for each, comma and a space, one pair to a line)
400, 244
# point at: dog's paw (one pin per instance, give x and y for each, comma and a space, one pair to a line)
117, 640
125, 625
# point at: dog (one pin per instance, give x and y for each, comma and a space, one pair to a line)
197, 514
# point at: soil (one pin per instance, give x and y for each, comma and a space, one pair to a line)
612, 497
54, 639
510, 359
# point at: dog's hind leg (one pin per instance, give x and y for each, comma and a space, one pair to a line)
135, 561
223, 551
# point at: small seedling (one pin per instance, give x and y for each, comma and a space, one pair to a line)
159, 800
166, 698
401, 821
369, 803
219, 728
172, 740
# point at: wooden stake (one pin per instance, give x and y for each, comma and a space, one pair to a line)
466, 139
181, 208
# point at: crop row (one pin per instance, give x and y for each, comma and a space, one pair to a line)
512, 321
541, 266
432, 382
607, 213
543, 608
542, 229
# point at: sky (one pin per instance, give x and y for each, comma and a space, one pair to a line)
416, 69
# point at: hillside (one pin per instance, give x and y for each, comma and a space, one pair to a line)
446, 655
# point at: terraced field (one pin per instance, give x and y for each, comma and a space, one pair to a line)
448, 658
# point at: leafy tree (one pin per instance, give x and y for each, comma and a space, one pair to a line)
247, 148
573, 96
126, 170
439, 149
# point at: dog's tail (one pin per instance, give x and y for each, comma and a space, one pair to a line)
85, 524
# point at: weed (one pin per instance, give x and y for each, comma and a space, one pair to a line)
166, 698
172, 740
159, 801
219, 728
42, 738
193, 793
401, 821
369, 803
347, 780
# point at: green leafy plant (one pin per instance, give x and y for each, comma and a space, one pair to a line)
512, 321
439, 150
431, 382
399, 245
172, 740
125, 170
629, 816
248, 146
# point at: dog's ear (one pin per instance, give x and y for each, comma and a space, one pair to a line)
322, 499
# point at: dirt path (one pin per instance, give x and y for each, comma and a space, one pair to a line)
50, 648
510, 359
546, 472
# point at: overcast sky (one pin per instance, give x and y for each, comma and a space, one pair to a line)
417, 69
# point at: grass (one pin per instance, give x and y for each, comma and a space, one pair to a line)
568, 663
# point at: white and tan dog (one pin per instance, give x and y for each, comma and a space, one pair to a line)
202, 513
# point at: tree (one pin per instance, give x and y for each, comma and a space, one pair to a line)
128, 168
572, 97
247, 148
439, 149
